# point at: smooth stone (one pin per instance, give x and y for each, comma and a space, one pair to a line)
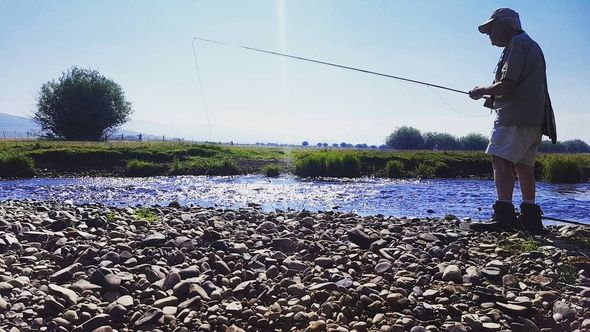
452, 273
67, 294
383, 267
151, 316
125, 300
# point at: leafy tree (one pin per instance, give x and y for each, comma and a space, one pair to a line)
405, 138
576, 146
343, 144
441, 141
305, 143
319, 144
335, 145
474, 142
546, 146
82, 105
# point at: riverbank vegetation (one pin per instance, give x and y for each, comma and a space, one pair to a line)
48, 158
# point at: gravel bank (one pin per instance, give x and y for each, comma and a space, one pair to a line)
95, 268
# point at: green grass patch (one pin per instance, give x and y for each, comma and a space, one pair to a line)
204, 166
395, 169
561, 169
111, 216
518, 246
272, 170
145, 213
567, 273
431, 170
328, 164
16, 165
144, 168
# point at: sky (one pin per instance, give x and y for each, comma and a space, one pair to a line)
146, 47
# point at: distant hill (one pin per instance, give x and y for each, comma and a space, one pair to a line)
14, 126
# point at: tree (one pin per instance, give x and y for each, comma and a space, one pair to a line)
576, 146
442, 141
405, 138
82, 105
305, 143
474, 142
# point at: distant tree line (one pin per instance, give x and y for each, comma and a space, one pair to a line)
409, 138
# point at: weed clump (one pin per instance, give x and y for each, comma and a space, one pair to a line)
143, 168
271, 170
16, 165
328, 164
518, 246
204, 166
395, 169
561, 169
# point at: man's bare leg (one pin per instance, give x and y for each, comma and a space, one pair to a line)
503, 178
526, 178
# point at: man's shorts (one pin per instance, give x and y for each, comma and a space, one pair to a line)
516, 144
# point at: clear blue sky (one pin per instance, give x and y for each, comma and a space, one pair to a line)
145, 46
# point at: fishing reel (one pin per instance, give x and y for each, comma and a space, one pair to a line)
489, 102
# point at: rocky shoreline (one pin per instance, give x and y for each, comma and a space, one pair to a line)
95, 268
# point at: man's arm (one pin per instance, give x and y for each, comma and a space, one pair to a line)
497, 89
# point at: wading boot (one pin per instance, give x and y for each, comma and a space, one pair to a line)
503, 219
530, 218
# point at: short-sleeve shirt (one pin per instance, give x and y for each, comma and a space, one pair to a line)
523, 63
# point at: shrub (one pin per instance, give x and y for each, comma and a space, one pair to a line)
428, 170
394, 169
203, 166
14, 165
310, 166
405, 138
561, 169
271, 170
334, 164
143, 168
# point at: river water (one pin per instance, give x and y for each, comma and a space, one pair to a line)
366, 196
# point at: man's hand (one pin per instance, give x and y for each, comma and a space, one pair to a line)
478, 92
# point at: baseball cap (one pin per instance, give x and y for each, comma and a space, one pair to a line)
498, 13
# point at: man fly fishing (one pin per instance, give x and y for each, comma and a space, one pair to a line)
523, 114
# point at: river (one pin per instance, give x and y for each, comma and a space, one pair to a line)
465, 198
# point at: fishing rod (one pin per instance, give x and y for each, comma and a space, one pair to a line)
564, 221
330, 64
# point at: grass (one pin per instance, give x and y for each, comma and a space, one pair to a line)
518, 246
271, 170
16, 165
324, 163
561, 169
395, 169
567, 273
58, 157
204, 166
147, 214
139, 168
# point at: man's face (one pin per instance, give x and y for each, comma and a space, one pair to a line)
498, 34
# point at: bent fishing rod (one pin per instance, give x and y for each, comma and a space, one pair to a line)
330, 64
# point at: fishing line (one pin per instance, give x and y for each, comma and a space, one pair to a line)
454, 109
201, 88
330, 64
